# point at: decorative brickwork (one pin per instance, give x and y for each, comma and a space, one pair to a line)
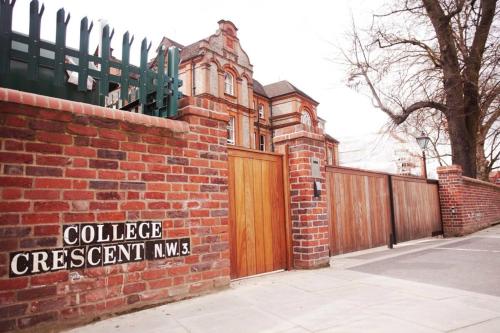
467, 204
63, 163
310, 239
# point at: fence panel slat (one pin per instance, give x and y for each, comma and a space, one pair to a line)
6, 8
160, 83
34, 40
125, 73
59, 58
143, 79
83, 59
105, 53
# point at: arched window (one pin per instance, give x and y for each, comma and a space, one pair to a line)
305, 118
261, 111
228, 83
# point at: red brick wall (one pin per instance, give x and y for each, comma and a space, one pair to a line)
310, 239
65, 162
467, 204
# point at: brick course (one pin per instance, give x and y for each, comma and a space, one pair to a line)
67, 162
467, 204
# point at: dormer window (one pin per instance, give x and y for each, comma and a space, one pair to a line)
305, 118
228, 83
261, 111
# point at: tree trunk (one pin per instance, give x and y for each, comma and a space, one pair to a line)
483, 168
463, 145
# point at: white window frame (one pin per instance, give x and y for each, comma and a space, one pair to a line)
305, 118
260, 108
229, 83
230, 131
262, 142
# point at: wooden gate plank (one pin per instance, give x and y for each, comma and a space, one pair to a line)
275, 218
278, 207
240, 222
260, 250
249, 216
267, 217
232, 217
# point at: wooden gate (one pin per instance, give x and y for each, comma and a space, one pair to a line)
359, 210
416, 208
366, 207
258, 213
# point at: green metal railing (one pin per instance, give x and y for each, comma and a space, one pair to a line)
30, 64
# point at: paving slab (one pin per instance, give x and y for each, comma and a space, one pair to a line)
381, 323
444, 315
488, 326
439, 285
467, 265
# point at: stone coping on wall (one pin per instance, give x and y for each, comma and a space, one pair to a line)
481, 182
52, 103
458, 169
298, 135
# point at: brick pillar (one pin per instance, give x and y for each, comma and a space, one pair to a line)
451, 201
310, 239
208, 147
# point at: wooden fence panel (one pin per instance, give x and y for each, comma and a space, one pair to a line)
359, 209
359, 204
416, 208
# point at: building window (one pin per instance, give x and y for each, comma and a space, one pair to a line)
262, 142
305, 118
230, 131
228, 83
261, 111
329, 155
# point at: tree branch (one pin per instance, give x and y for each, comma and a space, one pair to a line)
399, 118
430, 52
482, 32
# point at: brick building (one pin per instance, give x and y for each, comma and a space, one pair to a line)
217, 68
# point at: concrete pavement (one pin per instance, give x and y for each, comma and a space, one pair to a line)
434, 285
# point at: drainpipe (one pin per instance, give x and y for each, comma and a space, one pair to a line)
272, 131
257, 137
193, 78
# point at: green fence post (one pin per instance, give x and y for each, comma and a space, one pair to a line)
175, 83
83, 58
125, 70
105, 53
160, 84
59, 58
143, 78
34, 40
6, 7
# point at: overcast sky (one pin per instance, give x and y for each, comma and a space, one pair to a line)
292, 40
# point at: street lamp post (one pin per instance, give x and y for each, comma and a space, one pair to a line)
423, 141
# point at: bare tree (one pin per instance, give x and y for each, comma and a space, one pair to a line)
438, 57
